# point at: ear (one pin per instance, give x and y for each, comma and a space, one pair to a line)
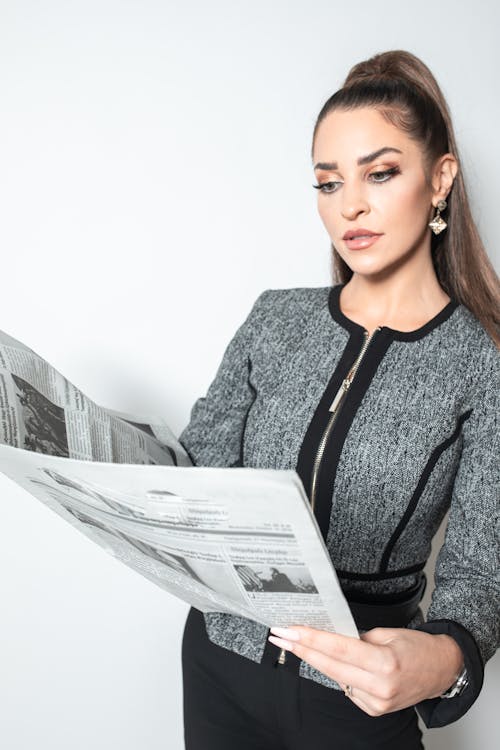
444, 172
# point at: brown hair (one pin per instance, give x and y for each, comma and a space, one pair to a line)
406, 93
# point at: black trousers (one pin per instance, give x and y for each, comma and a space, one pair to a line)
233, 703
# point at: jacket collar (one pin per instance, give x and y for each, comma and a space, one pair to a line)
419, 333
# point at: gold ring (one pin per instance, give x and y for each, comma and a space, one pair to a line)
348, 691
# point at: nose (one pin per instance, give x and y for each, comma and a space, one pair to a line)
353, 202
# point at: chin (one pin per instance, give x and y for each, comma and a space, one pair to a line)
375, 272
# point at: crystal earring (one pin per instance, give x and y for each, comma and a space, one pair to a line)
438, 223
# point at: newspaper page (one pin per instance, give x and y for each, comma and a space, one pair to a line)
41, 411
237, 540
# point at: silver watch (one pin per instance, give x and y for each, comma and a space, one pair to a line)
458, 686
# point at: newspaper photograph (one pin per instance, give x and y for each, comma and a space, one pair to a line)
236, 540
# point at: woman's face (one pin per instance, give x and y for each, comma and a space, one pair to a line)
387, 193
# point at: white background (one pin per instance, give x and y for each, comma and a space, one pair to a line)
155, 177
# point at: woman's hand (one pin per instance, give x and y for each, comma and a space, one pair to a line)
387, 669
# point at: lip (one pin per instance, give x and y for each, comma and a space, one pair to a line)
360, 238
352, 233
360, 243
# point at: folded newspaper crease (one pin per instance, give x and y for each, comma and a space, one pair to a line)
235, 540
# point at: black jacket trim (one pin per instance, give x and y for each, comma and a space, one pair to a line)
412, 505
375, 352
352, 576
353, 327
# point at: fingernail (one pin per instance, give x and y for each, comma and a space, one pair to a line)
291, 635
287, 645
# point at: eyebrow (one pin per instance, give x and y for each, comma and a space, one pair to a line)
330, 165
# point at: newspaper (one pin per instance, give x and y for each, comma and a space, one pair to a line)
236, 540
40, 410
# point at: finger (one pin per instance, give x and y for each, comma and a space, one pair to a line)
381, 636
341, 672
376, 705
363, 701
344, 648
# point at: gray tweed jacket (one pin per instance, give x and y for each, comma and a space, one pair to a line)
416, 434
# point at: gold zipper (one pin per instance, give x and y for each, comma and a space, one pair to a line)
334, 409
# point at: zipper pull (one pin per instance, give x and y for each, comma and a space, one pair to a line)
282, 656
343, 388
348, 379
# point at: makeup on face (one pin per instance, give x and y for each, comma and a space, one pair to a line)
361, 241
371, 185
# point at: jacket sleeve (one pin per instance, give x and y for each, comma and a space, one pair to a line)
465, 602
214, 434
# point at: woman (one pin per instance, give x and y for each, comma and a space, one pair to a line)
382, 391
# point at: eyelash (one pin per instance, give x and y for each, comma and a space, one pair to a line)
388, 173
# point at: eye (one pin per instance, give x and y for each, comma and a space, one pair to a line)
385, 175
327, 187
376, 177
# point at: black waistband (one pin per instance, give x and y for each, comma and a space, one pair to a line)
389, 611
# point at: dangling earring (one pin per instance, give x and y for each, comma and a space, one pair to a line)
438, 223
